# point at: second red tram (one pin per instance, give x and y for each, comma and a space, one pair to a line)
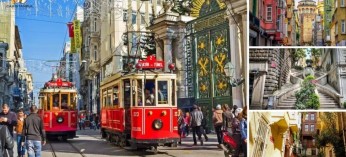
140, 110
58, 99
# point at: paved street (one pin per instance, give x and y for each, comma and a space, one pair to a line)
89, 142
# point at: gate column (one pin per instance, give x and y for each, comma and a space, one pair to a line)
237, 16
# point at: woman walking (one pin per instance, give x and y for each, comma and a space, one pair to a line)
187, 120
181, 125
217, 121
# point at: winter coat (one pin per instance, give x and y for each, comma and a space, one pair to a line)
217, 117
196, 118
6, 140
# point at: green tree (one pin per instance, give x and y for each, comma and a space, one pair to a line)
330, 134
298, 54
315, 56
306, 96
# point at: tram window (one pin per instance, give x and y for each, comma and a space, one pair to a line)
139, 93
104, 98
64, 99
127, 93
115, 95
150, 93
109, 97
48, 102
56, 100
173, 92
73, 100
162, 91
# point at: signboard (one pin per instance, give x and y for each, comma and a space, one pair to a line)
77, 33
150, 63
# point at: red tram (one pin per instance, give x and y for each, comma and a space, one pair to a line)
140, 110
58, 99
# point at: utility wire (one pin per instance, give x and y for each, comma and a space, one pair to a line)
22, 18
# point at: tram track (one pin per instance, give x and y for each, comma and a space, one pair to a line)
55, 153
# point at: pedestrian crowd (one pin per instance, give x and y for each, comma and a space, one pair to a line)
30, 133
93, 122
233, 120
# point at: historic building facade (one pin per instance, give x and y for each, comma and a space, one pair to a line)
339, 22
307, 14
333, 62
269, 71
274, 134
309, 129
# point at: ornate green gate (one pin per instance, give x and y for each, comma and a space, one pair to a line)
208, 36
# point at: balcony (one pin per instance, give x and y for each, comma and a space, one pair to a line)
254, 20
289, 2
95, 34
289, 14
289, 28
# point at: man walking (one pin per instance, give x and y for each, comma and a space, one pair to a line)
195, 123
9, 119
33, 133
6, 140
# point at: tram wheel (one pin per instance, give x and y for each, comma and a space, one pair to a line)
122, 142
174, 144
154, 149
103, 134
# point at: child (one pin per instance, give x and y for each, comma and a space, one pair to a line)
19, 130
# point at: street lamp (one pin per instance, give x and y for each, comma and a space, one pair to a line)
229, 72
308, 69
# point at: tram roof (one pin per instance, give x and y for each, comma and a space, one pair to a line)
148, 75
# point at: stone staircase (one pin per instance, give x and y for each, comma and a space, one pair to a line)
287, 103
327, 102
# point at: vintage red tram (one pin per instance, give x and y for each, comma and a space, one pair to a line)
58, 100
140, 110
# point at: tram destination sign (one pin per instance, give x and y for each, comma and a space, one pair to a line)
150, 63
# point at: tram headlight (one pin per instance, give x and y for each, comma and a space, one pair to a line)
157, 124
60, 119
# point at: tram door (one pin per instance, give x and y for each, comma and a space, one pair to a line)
127, 103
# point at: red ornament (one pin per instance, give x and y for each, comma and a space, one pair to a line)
171, 66
138, 66
59, 82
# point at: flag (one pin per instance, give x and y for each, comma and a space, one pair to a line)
70, 29
77, 34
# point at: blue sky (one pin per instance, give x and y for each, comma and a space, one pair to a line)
43, 33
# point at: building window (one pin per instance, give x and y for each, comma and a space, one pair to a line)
313, 151
336, 4
143, 22
312, 117
343, 26
342, 3
312, 127
307, 116
306, 129
134, 16
269, 13
95, 52
158, 2
95, 24
260, 141
124, 15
